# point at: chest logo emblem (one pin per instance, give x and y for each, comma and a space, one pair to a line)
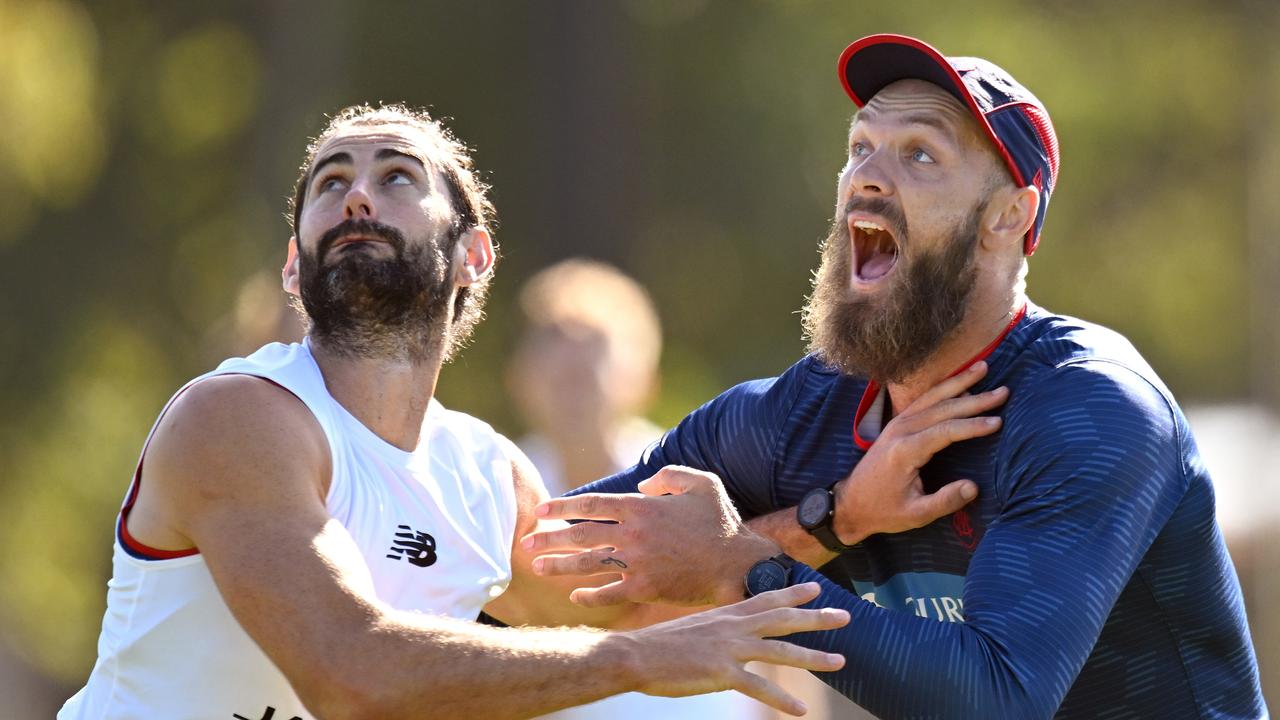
963, 528
417, 547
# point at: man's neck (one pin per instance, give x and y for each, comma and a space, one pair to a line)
981, 326
389, 396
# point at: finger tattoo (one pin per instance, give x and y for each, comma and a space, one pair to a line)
611, 560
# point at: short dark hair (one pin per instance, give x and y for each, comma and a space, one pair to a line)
468, 193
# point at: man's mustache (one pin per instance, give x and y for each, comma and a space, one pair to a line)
883, 208
369, 228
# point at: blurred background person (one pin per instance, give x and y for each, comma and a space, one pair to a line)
584, 372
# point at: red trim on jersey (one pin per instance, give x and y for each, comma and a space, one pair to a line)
873, 388
868, 397
132, 544
986, 351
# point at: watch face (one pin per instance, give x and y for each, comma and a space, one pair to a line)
766, 575
814, 508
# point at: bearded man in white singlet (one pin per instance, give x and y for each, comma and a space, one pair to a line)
310, 534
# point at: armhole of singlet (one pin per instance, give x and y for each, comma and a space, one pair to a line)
132, 545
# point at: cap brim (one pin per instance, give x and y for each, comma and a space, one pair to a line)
877, 61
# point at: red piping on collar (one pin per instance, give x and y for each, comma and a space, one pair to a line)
873, 387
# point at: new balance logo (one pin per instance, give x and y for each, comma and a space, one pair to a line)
417, 547
268, 715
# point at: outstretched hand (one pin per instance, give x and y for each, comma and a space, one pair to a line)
708, 651
678, 541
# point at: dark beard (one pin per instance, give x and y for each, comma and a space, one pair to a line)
367, 307
888, 336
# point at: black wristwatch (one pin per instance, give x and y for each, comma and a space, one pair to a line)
815, 513
769, 574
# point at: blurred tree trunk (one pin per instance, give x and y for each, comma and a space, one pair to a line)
296, 43
1261, 122
588, 117
1262, 163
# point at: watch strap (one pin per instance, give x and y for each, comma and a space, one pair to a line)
829, 539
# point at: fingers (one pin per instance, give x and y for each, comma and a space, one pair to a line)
786, 597
592, 562
965, 406
785, 621
590, 506
924, 444
781, 652
615, 593
767, 692
949, 388
946, 500
677, 480
582, 536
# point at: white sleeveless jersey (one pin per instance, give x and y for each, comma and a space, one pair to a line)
434, 525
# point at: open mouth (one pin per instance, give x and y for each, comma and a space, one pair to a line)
358, 240
875, 250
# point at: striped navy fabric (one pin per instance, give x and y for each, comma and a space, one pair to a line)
1088, 580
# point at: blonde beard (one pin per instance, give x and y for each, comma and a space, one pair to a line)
888, 336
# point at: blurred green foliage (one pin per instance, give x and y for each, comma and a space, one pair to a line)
148, 149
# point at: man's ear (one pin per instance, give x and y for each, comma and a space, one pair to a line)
289, 273
1010, 216
473, 256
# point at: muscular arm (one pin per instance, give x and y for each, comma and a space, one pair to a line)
238, 468
1079, 511
1088, 472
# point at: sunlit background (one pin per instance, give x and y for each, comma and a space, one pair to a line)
147, 148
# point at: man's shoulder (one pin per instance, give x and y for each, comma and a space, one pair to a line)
269, 357
473, 438
1081, 383
1058, 340
463, 426
232, 438
1053, 350
236, 405
809, 375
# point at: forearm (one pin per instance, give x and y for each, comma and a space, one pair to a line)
417, 666
781, 527
901, 665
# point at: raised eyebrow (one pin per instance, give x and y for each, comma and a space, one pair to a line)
392, 153
339, 158
932, 120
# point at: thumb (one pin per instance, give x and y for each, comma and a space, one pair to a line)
670, 482
946, 500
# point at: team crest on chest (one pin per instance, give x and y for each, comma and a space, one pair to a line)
962, 524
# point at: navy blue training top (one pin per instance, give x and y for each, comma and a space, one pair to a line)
1089, 578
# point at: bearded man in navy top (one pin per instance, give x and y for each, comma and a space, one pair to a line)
1043, 545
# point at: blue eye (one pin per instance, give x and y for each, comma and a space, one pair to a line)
858, 150
921, 156
329, 183
398, 177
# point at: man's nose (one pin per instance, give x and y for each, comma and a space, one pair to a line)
870, 176
359, 204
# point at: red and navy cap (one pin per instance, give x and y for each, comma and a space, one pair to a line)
1012, 117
